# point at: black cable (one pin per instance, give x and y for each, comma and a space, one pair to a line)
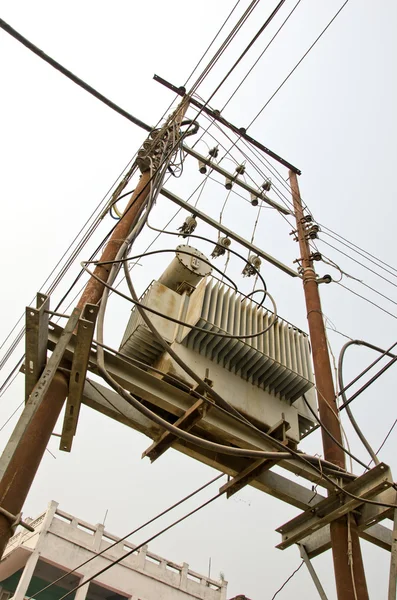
248, 47
298, 63
369, 382
366, 299
359, 263
212, 42
20, 38
261, 55
150, 539
342, 393
161, 514
349, 245
333, 438
287, 580
369, 367
168, 317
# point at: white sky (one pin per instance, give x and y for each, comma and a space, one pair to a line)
61, 150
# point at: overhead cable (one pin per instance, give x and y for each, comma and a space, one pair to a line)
353, 421
133, 532
150, 539
297, 64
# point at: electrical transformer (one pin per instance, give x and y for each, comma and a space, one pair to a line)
262, 376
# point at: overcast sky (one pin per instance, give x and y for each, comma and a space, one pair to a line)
61, 150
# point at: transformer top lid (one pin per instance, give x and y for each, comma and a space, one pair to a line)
193, 260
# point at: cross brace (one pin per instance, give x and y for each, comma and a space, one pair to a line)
192, 416
338, 504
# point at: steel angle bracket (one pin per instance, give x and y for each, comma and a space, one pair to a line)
36, 336
188, 420
247, 475
81, 354
366, 486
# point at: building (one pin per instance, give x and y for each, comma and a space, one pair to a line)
61, 542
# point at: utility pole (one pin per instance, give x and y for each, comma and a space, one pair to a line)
346, 551
21, 469
28, 449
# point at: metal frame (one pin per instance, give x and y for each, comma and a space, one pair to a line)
231, 234
177, 402
312, 572
215, 114
335, 506
234, 178
85, 333
39, 390
36, 337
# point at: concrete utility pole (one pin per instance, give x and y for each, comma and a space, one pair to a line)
21, 469
346, 551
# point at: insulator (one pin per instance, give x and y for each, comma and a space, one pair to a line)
316, 256
202, 167
222, 245
214, 152
253, 266
254, 200
312, 232
266, 185
240, 169
326, 279
307, 219
228, 183
188, 227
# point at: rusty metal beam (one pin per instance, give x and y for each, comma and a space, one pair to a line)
246, 476
36, 337
192, 416
335, 506
85, 333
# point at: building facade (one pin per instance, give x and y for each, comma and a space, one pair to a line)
56, 555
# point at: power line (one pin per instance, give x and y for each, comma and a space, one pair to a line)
298, 63
348, 244
366, 299
358, 262
287, 580
150, 539
212, 42
261, 55
152, 520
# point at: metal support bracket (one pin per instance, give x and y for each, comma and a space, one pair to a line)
39, 390
312, 572
246, 476
368, 485
393, 562
192, 416
36, 337
15, 520
85, 334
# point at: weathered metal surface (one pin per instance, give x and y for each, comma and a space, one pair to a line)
257, 193
85, 332
36, 341
176, 401
231, 234
246, 476
312, 572
192, 416
393, 562
335, 506
38, 393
